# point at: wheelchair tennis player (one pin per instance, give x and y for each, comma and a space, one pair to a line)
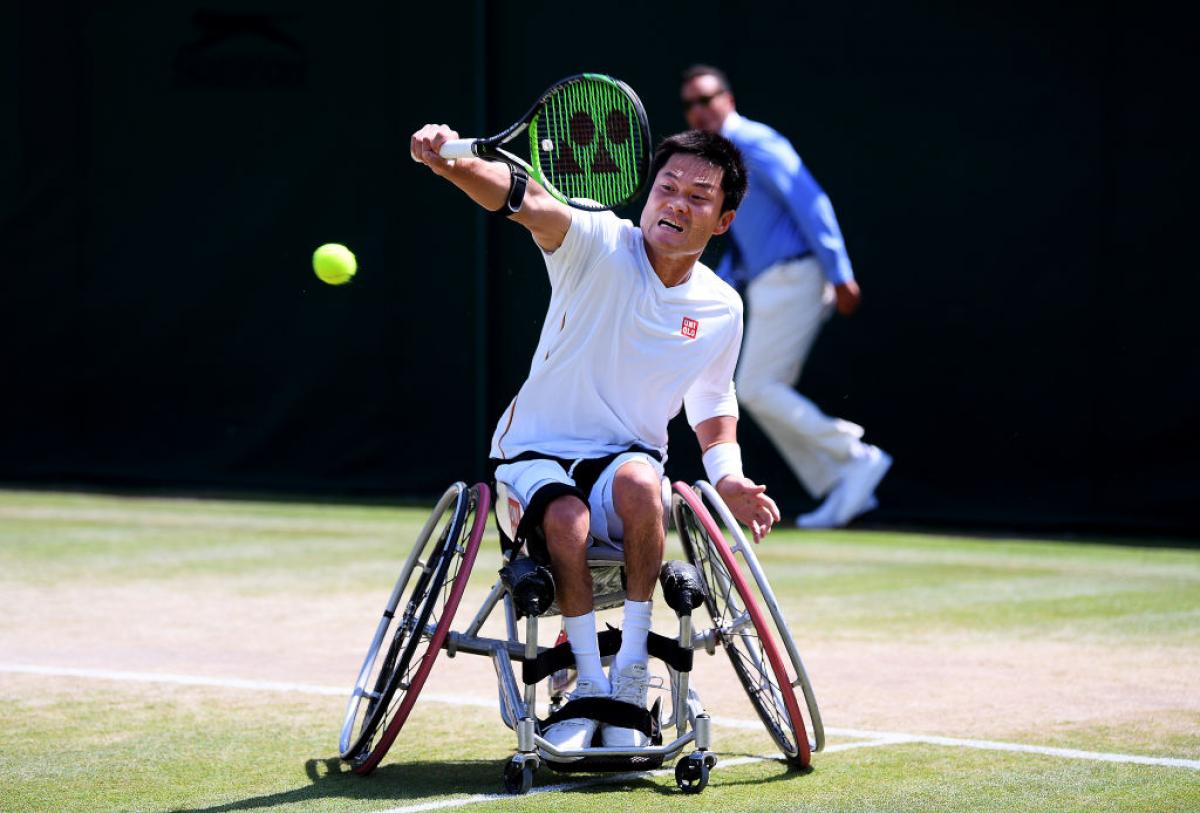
636, 329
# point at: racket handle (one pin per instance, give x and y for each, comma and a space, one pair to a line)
458, 148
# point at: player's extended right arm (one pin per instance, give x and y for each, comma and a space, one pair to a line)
487, 182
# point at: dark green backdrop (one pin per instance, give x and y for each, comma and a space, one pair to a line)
1011, 182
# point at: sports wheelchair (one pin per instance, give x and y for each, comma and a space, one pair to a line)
416, 627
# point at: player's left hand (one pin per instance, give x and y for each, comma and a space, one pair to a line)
749, 503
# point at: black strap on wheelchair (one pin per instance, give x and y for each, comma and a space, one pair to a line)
560, 657
612, 712
585, 472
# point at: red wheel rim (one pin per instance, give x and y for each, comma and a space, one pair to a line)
482, 508
710, 526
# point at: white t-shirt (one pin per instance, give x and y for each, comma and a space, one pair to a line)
620, 353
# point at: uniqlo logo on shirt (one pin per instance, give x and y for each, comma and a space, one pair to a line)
514, 513
690, 326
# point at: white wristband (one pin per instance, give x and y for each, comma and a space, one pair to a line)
722, 460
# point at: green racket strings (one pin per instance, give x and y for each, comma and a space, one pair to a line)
588, 143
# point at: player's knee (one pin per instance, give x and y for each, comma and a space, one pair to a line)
566, 522
637, 493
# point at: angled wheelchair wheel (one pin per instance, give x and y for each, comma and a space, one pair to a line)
414, 625
749, 636
741, 546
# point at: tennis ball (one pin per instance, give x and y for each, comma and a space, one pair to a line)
334, 263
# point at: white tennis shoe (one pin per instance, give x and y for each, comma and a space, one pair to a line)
858, 484
825, 514
629, 686
855, 492
577, 732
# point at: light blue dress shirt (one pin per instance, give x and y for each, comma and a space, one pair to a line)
785, 214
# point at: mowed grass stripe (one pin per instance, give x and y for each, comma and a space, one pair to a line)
211, 752
877, 738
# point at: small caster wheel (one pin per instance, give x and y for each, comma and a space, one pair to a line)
518, 776
691, 773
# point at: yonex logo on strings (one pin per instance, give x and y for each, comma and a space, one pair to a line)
583, 134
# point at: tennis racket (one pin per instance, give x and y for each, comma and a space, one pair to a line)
589, 142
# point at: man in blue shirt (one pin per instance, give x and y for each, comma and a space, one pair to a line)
788, 255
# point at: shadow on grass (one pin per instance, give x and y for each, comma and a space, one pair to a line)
391, 784
395, 784
599, 783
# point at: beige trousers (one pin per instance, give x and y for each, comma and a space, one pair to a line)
787, 305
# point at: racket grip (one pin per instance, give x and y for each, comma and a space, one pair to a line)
458, 148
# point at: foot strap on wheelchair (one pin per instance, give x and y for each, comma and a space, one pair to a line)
667, 650
611, 712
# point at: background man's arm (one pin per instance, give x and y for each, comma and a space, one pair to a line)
487, 183
812, 212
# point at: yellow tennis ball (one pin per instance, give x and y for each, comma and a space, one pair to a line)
334, 263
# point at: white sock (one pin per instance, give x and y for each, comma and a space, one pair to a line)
634, 632
581, 633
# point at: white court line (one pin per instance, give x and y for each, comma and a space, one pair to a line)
876, 738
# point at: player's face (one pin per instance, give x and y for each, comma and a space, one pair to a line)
705, 103
683, 209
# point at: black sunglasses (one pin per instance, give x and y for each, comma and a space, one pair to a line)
702, 101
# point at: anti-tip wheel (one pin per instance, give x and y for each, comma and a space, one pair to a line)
691, 773
518, 777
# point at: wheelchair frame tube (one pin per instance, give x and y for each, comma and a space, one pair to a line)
667, 751
510, 695
531, 652
489, 604
681, 695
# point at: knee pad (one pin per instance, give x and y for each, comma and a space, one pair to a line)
531, 585
682, 586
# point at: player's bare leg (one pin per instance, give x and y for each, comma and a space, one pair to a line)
637, 497
566, 525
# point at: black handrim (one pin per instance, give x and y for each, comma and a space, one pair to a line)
418, 605
744, 648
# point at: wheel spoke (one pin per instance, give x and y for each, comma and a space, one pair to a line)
732, 607
419, 634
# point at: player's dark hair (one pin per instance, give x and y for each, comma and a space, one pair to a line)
714, 148
707, 70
